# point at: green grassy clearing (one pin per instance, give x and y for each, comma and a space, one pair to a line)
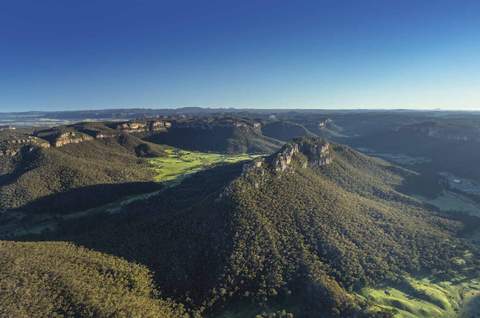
427, 298
177, 163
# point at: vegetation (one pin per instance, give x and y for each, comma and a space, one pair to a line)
271, 237
225, 135
453, 151
285, 130
308, 237
51, 279
74, 177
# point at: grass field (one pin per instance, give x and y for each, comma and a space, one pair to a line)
177, 163
427, 298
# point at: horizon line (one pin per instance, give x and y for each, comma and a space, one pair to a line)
114, 108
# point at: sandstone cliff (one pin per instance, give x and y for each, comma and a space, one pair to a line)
13, 145
143, 126
312, 152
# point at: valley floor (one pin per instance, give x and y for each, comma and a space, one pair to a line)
178, 163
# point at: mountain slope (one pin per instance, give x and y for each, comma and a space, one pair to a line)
300, 229
61, 280
75, 176
230, 135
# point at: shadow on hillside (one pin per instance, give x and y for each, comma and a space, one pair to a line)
213, 139
22, 165
177, 233
427, 183
86, 197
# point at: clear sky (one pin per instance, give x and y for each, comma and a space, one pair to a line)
263, 53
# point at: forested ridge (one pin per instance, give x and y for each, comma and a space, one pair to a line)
285, 130
303, 239
76, 176
224, 134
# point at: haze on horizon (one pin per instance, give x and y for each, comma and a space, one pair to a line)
56, 55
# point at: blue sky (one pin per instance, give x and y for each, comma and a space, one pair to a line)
60, 54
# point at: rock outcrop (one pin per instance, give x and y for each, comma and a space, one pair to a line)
310, 152
284, 157
98, 132
143, 126
14, 145
316, 151
59, 137
324, 123
81, 132
70, 138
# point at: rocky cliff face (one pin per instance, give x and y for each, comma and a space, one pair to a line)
301, 152
14, 145
284, 157
143, 126
316, 151
61, 136
310, 152
69, 138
